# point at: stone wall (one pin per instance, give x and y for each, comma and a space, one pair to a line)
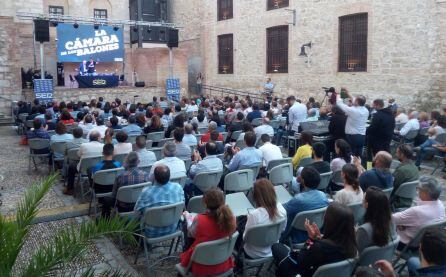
405, 49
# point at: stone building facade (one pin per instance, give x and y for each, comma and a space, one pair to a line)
406, 46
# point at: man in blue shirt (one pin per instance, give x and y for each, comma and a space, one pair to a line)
38, 133
106, 163
256, 113
309, 199
132, 129
380, 175
161, 193
248, 157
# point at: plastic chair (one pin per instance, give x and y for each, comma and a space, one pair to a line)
196, 205
406, 253
162, 142
58, 152
211, 253
235, 135
371, 254
203, 130
85, 164
180, 180
207, 180
281, 174
240, 144
155, 137
342, 268
336, 178
129, 195
187, 164
358, 212
263, 235
240, 180
160, 217
305, 161
158, 152
104, 178
120, 157
325, 181
274, 163
146, 168
256, 122
255, 169
388, 192
34, 146
405, 190
224, 135
132, 139
316, 216
29, 124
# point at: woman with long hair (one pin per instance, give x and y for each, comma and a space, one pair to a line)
155, 125
336, 244
343, 153
377, 229
268, 211
352, 192
216, 223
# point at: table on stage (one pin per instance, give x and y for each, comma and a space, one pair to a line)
97, 81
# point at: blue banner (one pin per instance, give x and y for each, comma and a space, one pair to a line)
173, 89
43, 90
79, 44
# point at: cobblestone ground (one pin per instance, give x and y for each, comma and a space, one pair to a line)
15, 179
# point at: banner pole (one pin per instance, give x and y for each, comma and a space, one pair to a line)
42, 67
170, 63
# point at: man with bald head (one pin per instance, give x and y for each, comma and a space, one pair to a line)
379, 176
265, 128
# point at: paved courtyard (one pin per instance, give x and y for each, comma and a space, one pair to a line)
15, 179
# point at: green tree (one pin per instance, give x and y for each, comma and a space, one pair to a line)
67, 245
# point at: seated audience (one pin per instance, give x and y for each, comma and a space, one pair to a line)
337, 244
200, 119
401, 116
411, 125
380, 175
66, 117
145, 156
377, 229
214, 139
183, 150
427, 146
161, 193
248, 157
132, 129
269, 151
318, 163
343, 153
428, 209
61, 136
87, 124
77, 139
122, 147
265, 128
38, 132
155, 125
256, 113
189, 138
352, 192
212, 127
176, 166
305, 150
405, 172
210, 163
309, 199
106, 163
114, 123
49, 122
100, 127
235, 125
216, 223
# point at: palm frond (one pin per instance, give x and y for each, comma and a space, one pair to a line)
111, 272
72, 243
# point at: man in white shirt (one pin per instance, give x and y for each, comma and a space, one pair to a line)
412, 124
269, 151
100, 127
356, 125
176, 166
401, 116
146, 157
265, 128
296, 114
87, 124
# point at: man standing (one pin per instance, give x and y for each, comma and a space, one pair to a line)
380, 131
355, 127
268, 88
296, 114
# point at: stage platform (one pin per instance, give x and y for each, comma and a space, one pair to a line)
124, 93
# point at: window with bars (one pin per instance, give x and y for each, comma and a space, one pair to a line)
100, 13
353, 32
277, 49
277, 4
224, 9
226, 54
55, 10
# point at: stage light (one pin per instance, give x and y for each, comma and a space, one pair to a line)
96, 26
75, 25
115, 28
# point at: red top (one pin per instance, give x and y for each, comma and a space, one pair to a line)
207, 137
206, 230
70, 121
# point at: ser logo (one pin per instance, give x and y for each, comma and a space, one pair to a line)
99, 82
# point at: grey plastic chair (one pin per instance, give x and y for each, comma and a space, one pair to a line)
35, 145
146, 168
275, 124
128, 195
240, 180
406, 190
29, 124
158, 152
283, 196
374, 253
358, 212
235, 135
131, 139
187, 164
104, 178
263, 235
274, 163
342, 268
207, 180
406, 253
180, 180
240, 143
155, 137
162, 142
336, 178
59, 149
388, 192
316, 216
256, 122
305, 161
203, 130
325, 181
196, 205
224, 135
211, 253
120, 157
159, 217
255, 169
85, 164
281, 174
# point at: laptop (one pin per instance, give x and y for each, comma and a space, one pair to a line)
316, 128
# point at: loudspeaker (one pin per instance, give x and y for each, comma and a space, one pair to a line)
172, 40
140, 84
41, 30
